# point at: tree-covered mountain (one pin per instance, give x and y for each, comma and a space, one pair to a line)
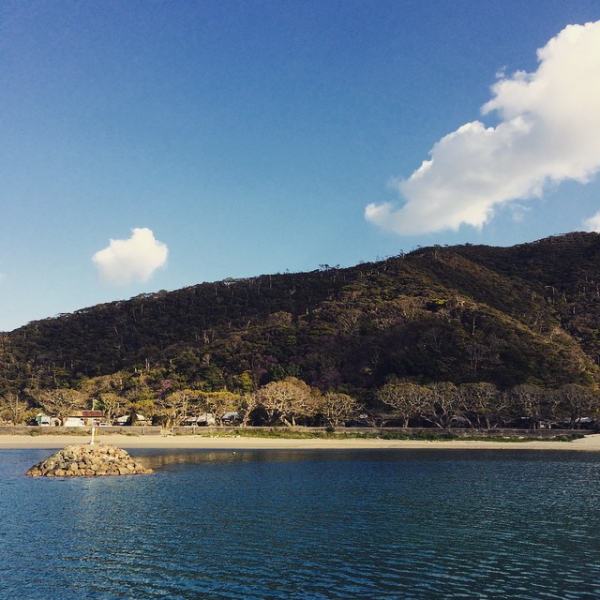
508, 316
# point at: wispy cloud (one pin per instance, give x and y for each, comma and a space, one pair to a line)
548, 132
128, 261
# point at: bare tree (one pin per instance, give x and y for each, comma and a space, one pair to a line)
287, 400
339, 408
60, 402
13, 409
173, 408
578, 401
408, 400
481, 404
247, 404
112, 405
528, 401
445, 405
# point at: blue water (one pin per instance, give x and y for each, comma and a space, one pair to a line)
306, 525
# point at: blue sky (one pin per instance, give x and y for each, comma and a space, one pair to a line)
160, 144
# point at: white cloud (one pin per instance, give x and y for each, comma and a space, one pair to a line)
549, 131
135, 259
593, 223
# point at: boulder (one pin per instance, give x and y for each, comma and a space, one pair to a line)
88, 461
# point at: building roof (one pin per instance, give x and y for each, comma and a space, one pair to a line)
87, 414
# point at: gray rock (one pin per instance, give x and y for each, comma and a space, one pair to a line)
88, 461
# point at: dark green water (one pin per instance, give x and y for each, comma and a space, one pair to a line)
307, 525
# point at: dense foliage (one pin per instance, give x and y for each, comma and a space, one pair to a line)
525, 315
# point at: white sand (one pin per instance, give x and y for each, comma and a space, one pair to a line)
589, 443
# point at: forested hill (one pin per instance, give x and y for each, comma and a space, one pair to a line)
525, 314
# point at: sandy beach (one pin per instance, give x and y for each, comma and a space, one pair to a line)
589, 443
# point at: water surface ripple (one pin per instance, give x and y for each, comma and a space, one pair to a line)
307, 525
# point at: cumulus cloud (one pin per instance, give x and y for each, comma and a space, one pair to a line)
593, 223
548, 131
128, 261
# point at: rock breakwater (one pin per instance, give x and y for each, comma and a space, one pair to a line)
88, 461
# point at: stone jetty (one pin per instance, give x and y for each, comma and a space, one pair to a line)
88, 461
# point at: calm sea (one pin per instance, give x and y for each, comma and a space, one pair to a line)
306, 525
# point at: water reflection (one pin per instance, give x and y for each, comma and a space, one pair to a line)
161, 460
157, 459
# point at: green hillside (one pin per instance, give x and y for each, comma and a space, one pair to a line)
508, 316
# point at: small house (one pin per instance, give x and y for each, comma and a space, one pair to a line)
203, 420
126, 420
84, 418
231, 418
43, 420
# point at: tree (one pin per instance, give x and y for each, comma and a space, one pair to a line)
577, 401
144, 406
529, 401
248, 403
408, 400
244, 382
112, 405
338, 408
219, 403
13, 409
287, 401
139, 389
60, 402
105, 383
480, 403
174, 407
444, 405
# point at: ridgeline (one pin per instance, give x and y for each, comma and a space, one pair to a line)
524, 314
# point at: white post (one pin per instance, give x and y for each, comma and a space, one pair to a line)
93, 422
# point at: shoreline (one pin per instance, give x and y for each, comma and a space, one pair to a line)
590, 443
